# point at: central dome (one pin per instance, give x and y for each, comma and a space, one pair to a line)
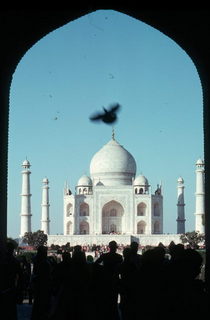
113, 165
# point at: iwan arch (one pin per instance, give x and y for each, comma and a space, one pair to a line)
22, 29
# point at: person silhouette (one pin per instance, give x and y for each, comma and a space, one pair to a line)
61, 288
129, 282
110, 262
10, 273
135, 257
41, 284
186, 293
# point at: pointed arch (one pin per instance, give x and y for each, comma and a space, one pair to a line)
112, 213
141, 227
156, 209
141, 209
84, 209
69, 228
156, 227
84, 227
69, 209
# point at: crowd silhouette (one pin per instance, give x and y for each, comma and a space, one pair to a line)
158, 284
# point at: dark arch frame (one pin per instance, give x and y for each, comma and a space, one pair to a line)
19, 30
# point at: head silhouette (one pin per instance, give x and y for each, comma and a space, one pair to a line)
66, 256
126, 254
192, 262
42, 252
134, 247
113, 246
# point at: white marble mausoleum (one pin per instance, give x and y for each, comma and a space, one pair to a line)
112, 202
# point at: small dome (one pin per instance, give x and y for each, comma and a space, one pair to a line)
99, 183
180, 180
45, 180
200, 162
26, 163
141, 181
84, 181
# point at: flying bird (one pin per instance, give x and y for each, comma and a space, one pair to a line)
108, 116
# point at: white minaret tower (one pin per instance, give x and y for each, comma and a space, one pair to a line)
45, 221
199, 197
180, 207
25, 213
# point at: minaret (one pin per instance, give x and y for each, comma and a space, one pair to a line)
180, 207
45, 221
25, 213
199, 197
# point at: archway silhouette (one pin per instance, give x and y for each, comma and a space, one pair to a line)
39, 74
20, 30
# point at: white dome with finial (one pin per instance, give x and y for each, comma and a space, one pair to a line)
141, 181
200, 162
26, 163
180, 180
45, 180
113, 165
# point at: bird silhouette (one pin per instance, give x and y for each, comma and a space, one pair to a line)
108, 116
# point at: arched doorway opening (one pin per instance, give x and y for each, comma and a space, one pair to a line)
84, 209
141, 209
141, 227
69, 228
69, 209
84, 227
156, 227
112, 214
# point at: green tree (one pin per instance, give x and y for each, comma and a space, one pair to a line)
15, 244
35, 239
193, 239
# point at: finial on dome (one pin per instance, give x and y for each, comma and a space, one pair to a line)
113, 134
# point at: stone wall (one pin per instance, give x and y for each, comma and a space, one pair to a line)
152, 240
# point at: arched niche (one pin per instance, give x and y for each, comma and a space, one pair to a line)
141, 227
84, 209
84, 227
112, 213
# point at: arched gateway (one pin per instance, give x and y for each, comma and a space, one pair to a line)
112, 214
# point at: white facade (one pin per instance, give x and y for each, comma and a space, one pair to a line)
25, 213
199, 197
112, 200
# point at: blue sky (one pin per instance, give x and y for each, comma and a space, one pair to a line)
98, 59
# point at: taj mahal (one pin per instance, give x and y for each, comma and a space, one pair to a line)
113, 203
